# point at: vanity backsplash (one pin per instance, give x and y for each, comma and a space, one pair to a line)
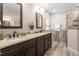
5, 33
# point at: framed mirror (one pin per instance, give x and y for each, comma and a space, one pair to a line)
1, 15
11, 15
39, 20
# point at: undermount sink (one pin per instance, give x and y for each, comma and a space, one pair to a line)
10, 38
23, 36
16, 38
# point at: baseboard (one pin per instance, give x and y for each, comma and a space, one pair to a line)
73, 51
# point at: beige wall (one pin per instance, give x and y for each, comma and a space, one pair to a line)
29, 11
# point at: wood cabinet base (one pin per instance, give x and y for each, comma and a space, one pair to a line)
34, 47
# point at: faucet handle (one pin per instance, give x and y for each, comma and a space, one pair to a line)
17, 34
9, 35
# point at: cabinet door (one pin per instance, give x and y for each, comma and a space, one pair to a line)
40, 46
48, 41
31, 51
21, 49
46, 44
26, 53
14, 53
20, 53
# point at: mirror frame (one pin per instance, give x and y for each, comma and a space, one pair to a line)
37, 18
11, 27
1, 14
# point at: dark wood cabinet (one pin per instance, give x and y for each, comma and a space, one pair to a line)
19, 53
48, 41
33, 47
43, 44
46, 44
21, 49
40, 46
30, 51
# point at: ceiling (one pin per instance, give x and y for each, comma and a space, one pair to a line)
57, 7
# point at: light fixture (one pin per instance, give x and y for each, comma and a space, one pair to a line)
39, 8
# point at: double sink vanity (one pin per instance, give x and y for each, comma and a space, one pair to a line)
35, 44
29, 45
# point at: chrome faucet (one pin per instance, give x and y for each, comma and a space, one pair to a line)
15, 34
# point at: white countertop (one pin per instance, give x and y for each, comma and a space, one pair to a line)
11, 41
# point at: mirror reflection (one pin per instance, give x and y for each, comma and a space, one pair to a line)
11, 14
